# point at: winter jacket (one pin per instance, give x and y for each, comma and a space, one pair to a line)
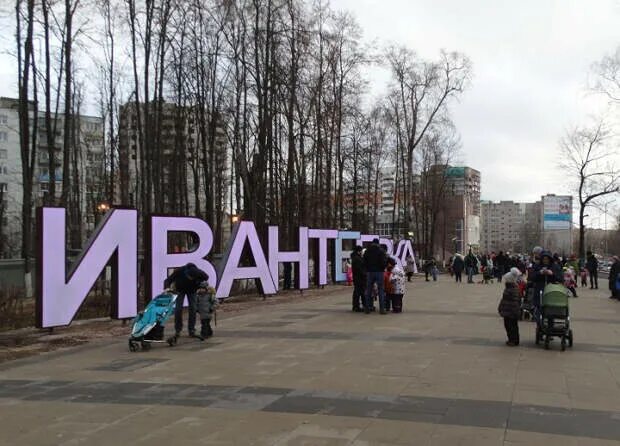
540, 280
510, 305
592, 264
186, 279
206, 303
359, 272
458, 265
375, 259
471, 261
397, 280
410, 268
387, 284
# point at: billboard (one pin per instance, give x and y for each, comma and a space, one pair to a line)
557, 212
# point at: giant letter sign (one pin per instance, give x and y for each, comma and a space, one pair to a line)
404, 250
320, 262
301, 257
59, 295
162, 261
340, 255
231, 270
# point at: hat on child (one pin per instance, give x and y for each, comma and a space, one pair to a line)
509, 278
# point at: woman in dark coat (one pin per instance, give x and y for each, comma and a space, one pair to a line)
458, 265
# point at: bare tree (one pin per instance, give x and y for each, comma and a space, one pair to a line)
26, 68
607, 80
420, 91
589, 162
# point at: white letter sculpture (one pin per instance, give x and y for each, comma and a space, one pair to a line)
231, 270
59, 294
162, 260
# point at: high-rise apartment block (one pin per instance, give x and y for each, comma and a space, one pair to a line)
87, 159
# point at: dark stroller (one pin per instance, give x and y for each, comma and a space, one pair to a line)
527, 305
148, 326
554, 319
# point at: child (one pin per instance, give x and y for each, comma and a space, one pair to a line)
584, 277
349, 273
569, 280
205, 305
510, 309
397, 286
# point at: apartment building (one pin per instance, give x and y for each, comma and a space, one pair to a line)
183, 157
88, 161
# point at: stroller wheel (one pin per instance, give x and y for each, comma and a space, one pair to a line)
570, 338
563, 343
145, 345
547, 340
133, 347
172, 341
537, 335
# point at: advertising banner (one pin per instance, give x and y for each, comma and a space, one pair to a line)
557, 212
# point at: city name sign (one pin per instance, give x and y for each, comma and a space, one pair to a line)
62, 289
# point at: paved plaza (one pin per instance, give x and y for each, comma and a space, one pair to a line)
313, 373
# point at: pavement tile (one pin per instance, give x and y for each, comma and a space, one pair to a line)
314, 373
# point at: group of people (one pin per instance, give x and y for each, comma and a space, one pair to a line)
377, 275
491, 266
546, 268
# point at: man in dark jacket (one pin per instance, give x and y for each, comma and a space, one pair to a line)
470, 266
592, 267
375, 261
359, 279
458, 264
614, 279
186, 280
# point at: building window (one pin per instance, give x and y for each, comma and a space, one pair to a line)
4, 119
4, 136
4, 154
4, 188
4, 170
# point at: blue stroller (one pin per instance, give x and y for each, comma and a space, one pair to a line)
148, 326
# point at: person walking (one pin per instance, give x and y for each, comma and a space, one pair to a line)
458, 264
430, 269
410, 267
186, 280
614, 279
510, 308
470, 265
359, 279
592, 267
543, 273
375, 261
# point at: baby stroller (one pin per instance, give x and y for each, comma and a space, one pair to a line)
148, 326
527, 307
554, 319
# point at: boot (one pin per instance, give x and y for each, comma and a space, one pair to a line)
206, 331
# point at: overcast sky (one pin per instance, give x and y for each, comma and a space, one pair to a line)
531, 62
